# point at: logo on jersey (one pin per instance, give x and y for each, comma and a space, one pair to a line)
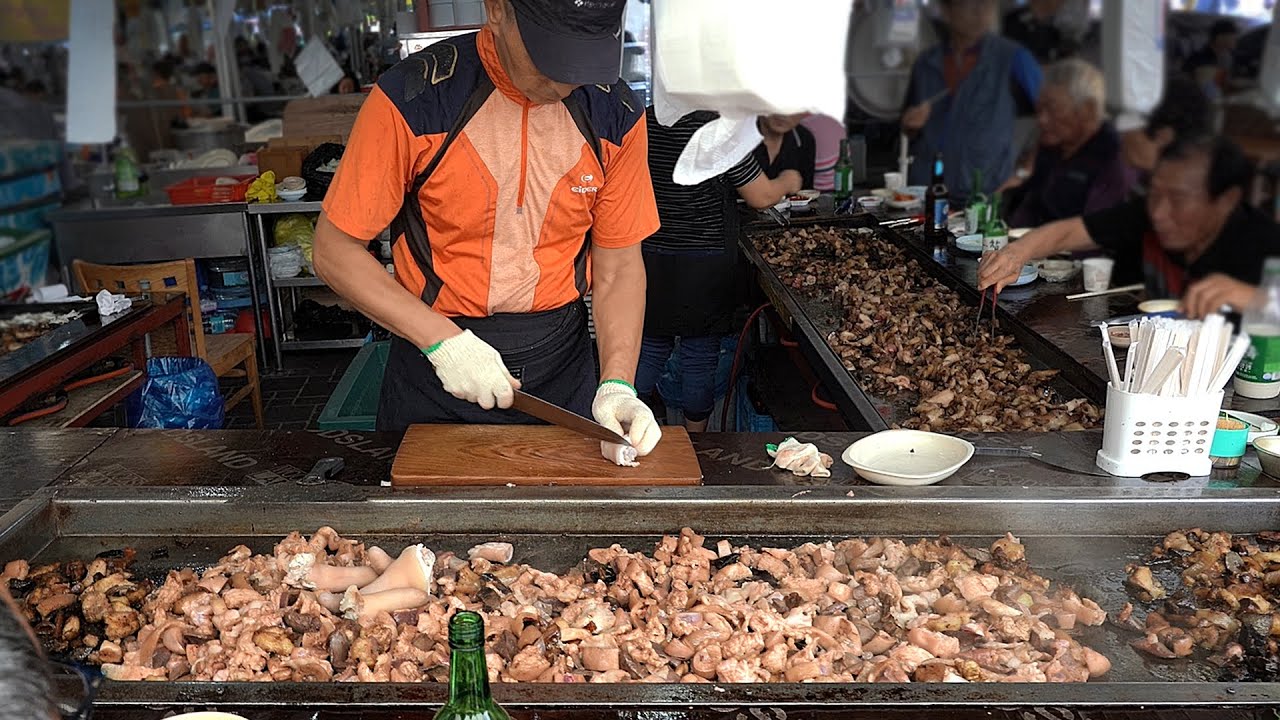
586, 186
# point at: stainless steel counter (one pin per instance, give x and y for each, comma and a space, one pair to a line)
184, 497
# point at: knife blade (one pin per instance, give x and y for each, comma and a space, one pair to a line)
556, 415
1031, 454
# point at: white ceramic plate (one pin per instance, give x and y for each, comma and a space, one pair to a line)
1258, 425
907, 457
969, 243
1016, 233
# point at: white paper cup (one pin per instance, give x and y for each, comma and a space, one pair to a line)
1097, 274
894, 181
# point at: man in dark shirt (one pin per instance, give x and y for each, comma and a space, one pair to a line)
1079, 168
1210, 66
1193, 228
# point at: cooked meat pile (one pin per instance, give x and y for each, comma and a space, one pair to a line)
1227, 602
877, 610
904, 332
22, 329
81, 610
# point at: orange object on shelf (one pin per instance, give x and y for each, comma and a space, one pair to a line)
201, 190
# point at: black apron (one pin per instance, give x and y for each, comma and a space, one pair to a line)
548, 352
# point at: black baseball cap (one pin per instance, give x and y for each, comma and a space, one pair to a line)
573, 41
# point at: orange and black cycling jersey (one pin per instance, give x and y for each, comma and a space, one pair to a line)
500, 223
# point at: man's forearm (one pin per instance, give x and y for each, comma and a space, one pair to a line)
618, 303
1067, 235
359, 278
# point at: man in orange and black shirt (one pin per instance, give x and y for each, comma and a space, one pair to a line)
511, 166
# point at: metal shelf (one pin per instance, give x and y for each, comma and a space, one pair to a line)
299, 281
280, 208
322, 344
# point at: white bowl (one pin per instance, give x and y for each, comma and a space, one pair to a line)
871, 203
1268, 451
1158, 306
970, 243
1058, 270
907, 457
291, 195
1029, 274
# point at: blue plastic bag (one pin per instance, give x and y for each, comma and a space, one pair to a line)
180, 392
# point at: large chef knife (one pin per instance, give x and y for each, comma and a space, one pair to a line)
1031, 454
556, 415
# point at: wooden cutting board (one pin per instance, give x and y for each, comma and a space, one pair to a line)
532, 455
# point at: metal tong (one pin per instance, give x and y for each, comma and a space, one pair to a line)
982, 300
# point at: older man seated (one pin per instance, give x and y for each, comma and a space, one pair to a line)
1193, 236
1080, 167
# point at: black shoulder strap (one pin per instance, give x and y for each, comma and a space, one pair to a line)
484, 87
583, 121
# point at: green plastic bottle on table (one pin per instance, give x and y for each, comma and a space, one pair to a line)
469, 696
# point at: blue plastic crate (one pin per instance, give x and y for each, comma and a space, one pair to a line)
24, 260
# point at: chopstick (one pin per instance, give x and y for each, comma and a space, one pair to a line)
1176, 358
1113, 291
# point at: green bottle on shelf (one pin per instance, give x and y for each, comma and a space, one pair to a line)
469, 696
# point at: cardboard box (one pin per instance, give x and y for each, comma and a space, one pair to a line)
284, 155
325, 115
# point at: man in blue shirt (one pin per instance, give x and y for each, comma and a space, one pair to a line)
964, 97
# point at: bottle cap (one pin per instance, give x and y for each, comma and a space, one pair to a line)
466, 630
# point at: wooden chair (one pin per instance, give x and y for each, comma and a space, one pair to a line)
229, 354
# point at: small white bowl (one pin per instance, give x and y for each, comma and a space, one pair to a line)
1157, 306
1119, 335
970, 243
871, 203
1058, 270
1029, 274
907, 457
1268, 451
291, 195
292, 182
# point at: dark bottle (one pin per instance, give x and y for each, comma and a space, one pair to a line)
469, 695
937, 202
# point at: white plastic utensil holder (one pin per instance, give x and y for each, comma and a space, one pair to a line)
1146, 434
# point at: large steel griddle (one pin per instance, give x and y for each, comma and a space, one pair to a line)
1082, 542
812, 320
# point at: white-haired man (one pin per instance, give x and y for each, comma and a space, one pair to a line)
1080, 167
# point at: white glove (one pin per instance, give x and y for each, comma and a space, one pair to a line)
470, 369
802, 459
617, 407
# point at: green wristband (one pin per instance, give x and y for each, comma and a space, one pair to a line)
433, 348
623, 383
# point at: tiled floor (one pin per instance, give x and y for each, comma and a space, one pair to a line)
294, 398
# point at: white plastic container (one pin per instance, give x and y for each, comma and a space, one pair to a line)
1146, 434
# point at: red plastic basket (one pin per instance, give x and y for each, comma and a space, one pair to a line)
201, 190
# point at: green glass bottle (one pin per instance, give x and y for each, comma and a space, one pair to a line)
995, 236
469, 697
844, 172
975, 215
